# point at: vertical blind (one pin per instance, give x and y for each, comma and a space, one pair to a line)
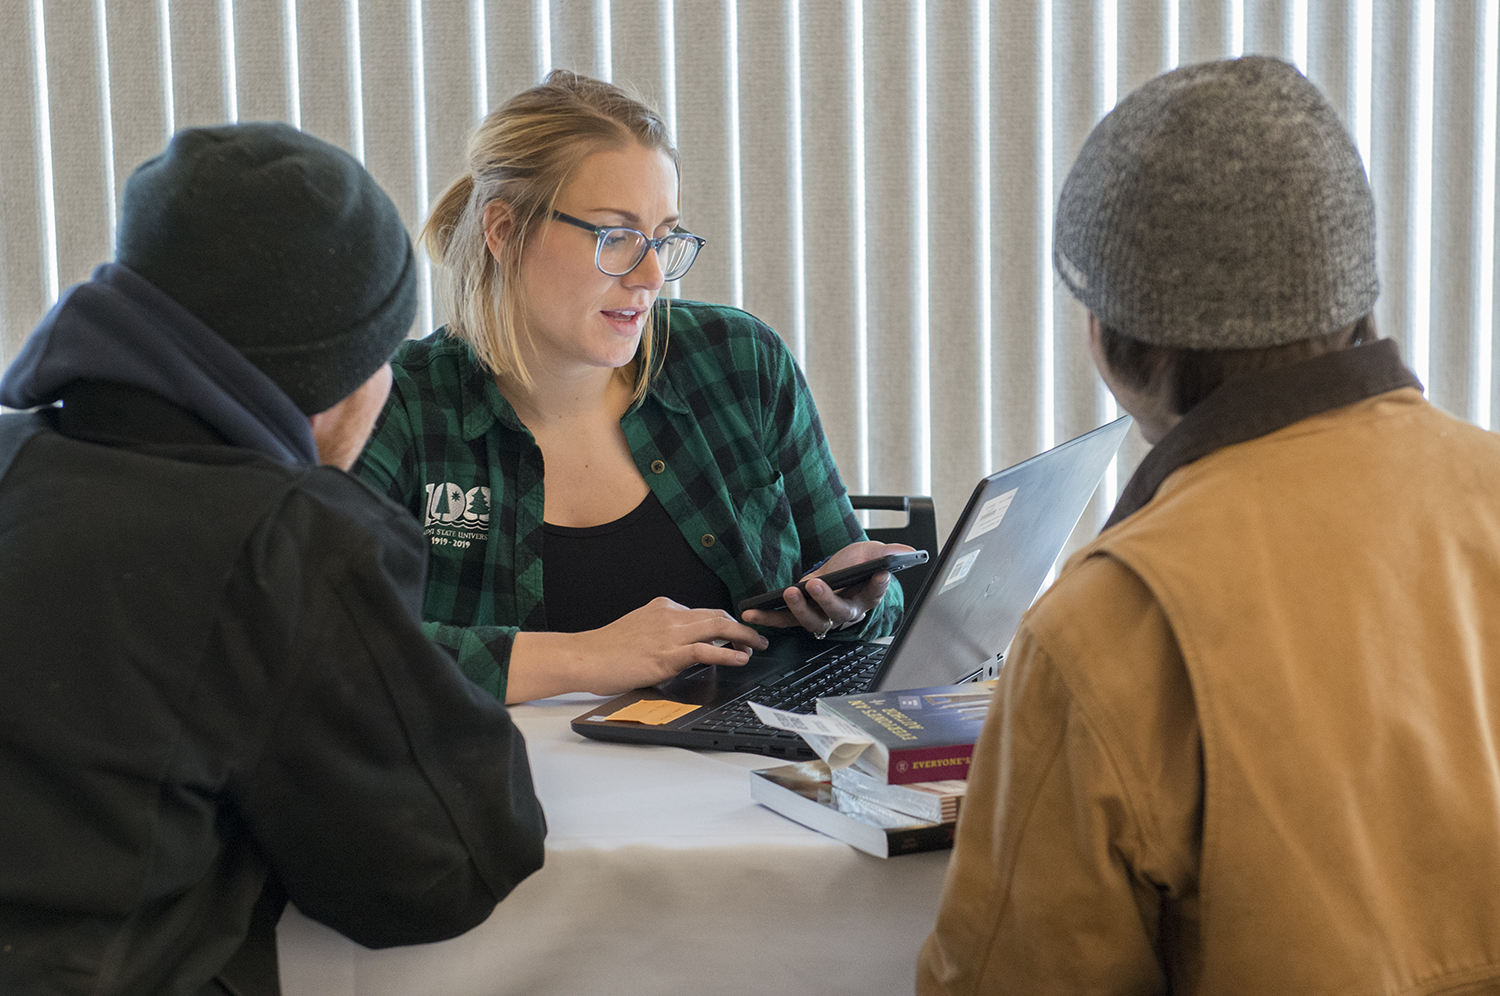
875, 178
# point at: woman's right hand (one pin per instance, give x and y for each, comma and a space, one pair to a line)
643, 647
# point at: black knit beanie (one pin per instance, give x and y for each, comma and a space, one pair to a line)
282, 244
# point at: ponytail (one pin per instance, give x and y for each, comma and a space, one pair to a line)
436, 235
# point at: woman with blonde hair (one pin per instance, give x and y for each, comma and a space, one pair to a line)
603, 475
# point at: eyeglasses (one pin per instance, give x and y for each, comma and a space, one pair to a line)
621, 249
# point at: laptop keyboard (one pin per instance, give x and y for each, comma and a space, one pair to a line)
845, 673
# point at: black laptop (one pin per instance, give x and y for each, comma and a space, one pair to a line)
956, 629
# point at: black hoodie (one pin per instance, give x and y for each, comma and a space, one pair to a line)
118, 328
213, 679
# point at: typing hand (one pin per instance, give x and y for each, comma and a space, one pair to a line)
643, 647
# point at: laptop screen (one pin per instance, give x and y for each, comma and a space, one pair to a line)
995, 562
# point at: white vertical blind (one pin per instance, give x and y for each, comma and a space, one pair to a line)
875, 177
896, 293
44, 148
833, 226
1483, 410
953, 293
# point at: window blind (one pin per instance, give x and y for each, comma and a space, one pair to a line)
875, 178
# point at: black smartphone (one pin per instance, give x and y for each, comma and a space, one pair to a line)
839, 580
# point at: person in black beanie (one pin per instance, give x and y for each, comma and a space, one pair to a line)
214, 689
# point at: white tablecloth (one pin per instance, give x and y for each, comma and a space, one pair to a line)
662, 876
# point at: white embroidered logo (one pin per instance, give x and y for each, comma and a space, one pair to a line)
455, 517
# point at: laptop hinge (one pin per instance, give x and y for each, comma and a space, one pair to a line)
990, 670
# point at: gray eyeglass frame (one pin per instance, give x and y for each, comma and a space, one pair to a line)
648, 244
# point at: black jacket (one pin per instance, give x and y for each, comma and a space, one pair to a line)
213, 685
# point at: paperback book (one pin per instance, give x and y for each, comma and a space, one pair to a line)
805, 793
917, 734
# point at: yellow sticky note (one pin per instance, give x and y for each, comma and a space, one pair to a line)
652, 712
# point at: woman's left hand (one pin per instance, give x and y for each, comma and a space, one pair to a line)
824, 610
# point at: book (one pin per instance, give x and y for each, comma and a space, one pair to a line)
917, 734
935, 802
805, 794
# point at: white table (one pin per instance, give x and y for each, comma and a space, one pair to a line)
662, 876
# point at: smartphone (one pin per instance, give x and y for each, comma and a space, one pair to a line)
839, 580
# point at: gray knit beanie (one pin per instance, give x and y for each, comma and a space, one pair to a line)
282, 244
1220, 206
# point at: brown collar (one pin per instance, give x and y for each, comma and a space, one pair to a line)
1252, 406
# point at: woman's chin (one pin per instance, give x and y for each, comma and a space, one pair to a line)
612, 359
620, 352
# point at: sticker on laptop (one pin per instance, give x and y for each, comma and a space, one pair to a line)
990, 514
961, 568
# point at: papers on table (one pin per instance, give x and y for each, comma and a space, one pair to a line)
837, 742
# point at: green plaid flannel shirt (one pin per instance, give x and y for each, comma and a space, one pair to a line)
727, 437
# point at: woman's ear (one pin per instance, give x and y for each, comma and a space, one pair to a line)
499, 216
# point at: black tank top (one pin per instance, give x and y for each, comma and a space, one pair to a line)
593, 575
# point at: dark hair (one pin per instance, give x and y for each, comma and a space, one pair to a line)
1196, 373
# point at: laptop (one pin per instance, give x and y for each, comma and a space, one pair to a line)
955, 630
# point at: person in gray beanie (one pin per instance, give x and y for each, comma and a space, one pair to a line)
1246, 742
214, 689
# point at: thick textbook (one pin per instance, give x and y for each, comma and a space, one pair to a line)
919, 734
804, 793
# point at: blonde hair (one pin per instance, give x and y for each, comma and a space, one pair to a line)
523, 154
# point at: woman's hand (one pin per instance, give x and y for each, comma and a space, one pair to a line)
641, 648
826, 610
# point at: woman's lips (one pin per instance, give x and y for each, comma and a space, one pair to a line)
628, 321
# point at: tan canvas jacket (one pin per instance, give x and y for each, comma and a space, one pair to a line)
1247, 743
